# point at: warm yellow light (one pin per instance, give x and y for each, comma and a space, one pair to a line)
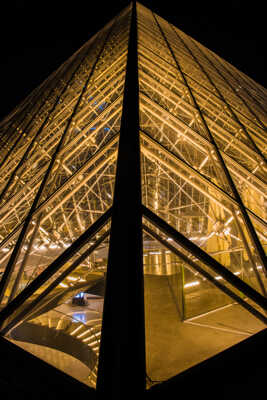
76, 330
84, 333
72, 278
190, 284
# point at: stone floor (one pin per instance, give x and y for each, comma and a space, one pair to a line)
173, 346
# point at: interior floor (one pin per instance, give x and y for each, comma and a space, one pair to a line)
172, 346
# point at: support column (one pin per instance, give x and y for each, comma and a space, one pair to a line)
122, 369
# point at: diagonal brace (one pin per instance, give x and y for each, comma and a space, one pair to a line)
54, 267
38, 300
207, 275
205, 258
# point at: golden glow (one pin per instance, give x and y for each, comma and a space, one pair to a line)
191, 284
183, 112
63, 285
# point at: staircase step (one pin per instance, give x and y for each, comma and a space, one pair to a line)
76, 330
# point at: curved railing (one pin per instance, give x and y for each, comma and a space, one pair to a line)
65, 333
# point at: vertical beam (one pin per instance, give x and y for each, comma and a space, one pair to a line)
122, 350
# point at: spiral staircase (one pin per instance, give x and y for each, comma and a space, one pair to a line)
65, 333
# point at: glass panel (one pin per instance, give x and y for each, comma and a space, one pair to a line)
77, 204
6, 249
252, 191
79, 186
260, 228
26, 132
188, 319
64, 326
200, 211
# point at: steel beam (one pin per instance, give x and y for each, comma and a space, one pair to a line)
200, 254
207, 275
41, 298
122, 350
22, 297
14, 255
250, 228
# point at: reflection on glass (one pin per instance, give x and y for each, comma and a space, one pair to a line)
64, 328
188, 319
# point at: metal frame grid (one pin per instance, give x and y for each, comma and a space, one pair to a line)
142, 131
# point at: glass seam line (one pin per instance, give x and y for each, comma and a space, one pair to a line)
246, 218
14, 254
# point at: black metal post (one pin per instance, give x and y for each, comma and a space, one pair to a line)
122, 351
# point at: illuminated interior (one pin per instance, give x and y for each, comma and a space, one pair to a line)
203, 144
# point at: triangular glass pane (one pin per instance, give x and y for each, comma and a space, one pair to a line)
182, 141
252, 191
148, 31
87, 143
65, 216
64, 327
201, 212
95, 121
188, 319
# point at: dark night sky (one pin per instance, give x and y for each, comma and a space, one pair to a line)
37, 36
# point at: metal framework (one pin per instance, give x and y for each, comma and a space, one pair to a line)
143, 131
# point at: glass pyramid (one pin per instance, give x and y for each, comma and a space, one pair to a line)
133, 208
